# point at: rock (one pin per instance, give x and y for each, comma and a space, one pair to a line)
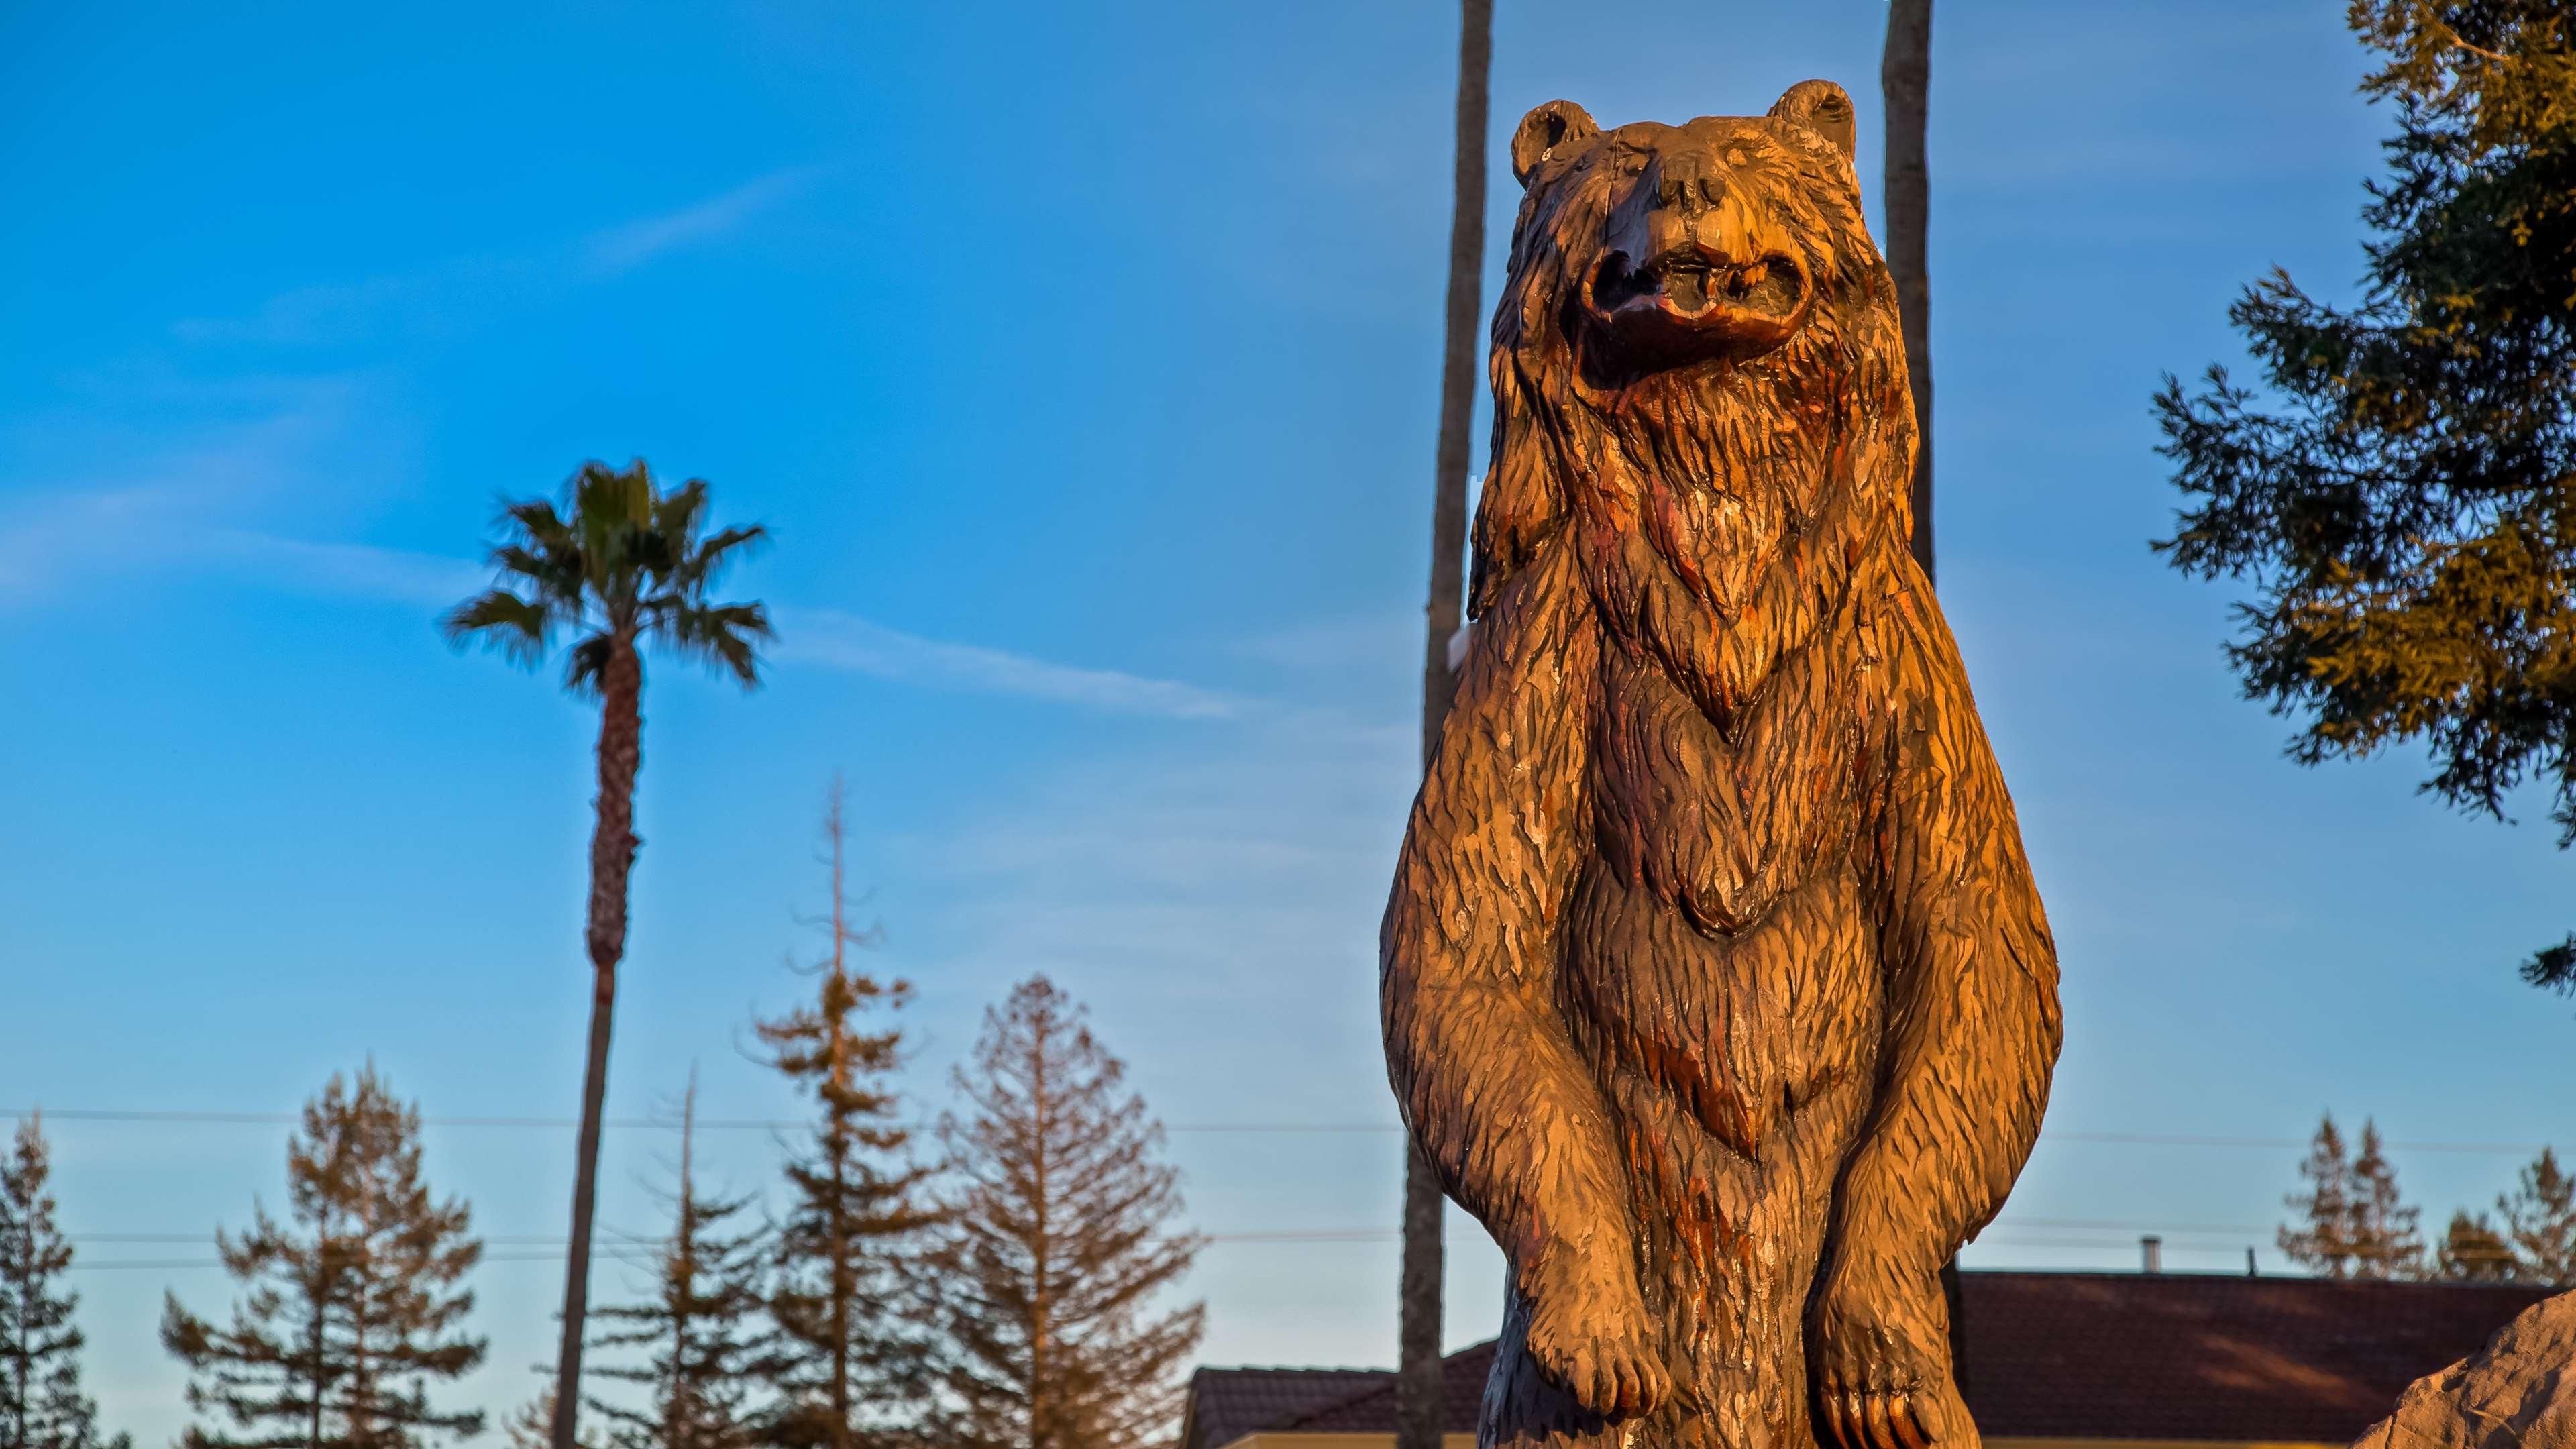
2518, 1392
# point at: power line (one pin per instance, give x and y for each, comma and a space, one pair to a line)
664, 1124
638, 1244
1326, 1238
761, 1124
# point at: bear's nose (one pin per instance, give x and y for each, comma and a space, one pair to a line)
1686, 182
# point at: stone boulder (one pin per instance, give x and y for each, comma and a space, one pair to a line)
2518, 1392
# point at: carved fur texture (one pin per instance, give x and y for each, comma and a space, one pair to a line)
1714, 980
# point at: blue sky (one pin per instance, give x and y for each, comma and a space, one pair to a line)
1083, 360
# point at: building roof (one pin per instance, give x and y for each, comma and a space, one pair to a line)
2200, 1356
2053, 1355
1226, 1404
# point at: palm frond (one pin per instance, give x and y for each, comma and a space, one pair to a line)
584, 664
702, 564
555, 576
612, 509
617, 553
678, 513
502, 621
725, 637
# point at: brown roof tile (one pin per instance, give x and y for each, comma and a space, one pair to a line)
1226, 1404
2196, 1356
2073, 1355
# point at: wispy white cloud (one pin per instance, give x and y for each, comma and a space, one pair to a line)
845, 641
623, 248
453, 294
346, 570
85, 506
164, 527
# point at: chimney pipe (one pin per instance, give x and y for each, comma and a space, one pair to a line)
2151, 1251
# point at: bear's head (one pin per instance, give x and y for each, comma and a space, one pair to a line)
1697, 357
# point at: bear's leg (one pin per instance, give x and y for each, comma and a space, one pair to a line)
1727, 1258
1524, 1409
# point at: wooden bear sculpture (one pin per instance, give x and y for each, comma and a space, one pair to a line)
1714, 980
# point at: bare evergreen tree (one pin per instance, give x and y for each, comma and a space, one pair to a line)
2386, 1242
352, 1307
41, 1404
849, 1365
2352, 1221
1420, 1399
2471, 1251
698, 1335
1061, 1239
2321, 1240
2540, 1223
532, 1424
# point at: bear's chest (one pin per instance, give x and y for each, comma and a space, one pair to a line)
1721, 823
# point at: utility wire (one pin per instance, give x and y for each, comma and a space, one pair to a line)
636, 1244
1355, 1235
672, 1124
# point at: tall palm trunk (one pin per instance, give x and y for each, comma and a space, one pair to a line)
1905, 78
1420, 1400
612, 859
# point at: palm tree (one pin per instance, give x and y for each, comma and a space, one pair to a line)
625, 566
1905, 79
1420, 1399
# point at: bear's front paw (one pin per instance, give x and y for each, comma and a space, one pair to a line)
1588, 1332
1878, 1351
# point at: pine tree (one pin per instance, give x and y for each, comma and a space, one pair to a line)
2322, 1241
41, 1404
2471, 1251
2383, 1233
849, 1364
2540, 1223
1060, 1237
2399, 492
697, 1333
352, 1307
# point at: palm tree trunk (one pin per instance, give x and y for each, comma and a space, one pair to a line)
1905, 77
612, 858
1420, 1400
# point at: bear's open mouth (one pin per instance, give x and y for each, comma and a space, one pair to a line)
1762, 299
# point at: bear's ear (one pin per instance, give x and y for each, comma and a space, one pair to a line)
1821, 107
1546, 130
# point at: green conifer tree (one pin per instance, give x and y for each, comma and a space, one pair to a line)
849, 1364
2540, 1223
2399, 491
1061, 1239
41, 1403
351, 1308
2471, 1251
697, 1336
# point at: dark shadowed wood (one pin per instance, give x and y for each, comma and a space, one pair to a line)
1419, 1395
1715, 983
1905, 80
